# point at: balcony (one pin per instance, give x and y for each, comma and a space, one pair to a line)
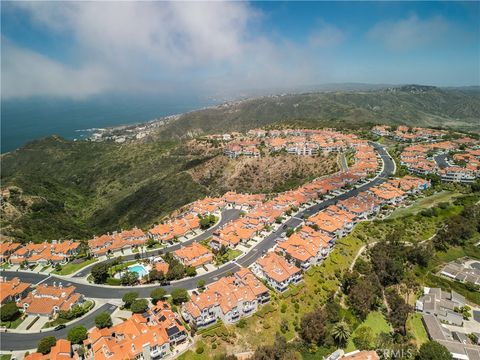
157, 353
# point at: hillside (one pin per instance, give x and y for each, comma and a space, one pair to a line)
411, 105
56, 189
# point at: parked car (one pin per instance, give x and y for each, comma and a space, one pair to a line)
59, 327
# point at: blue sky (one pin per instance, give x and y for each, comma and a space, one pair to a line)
83, 49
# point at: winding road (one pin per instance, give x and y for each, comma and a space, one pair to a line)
11, 341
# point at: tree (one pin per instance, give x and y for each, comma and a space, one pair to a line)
179, 296
363, 338
364, 295
157, 295
190, 271
77, 334
313, 327
9, 311
100, 273
129, 278
432, 350
340, 333
290, 231
103, 320
398, 311
129, 298
139, 306
45, 345
201, 284
155, 275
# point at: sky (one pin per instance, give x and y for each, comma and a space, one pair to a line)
78, 50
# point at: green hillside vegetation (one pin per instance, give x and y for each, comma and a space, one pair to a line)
58, 189
432, 107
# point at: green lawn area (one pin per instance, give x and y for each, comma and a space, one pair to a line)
5, 266
71, 267
424, 203
233, 253
416, 329
375, 321
5, 357
12, 324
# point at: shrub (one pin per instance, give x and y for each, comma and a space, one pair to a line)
45, 345
139, 306
103, 320
9, 311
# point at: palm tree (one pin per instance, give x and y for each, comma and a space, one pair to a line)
341, 333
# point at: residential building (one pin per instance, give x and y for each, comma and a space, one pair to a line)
62, 350
132, 339
195, 255
277, 271
441, 304
12, 290
228, 299
48, 300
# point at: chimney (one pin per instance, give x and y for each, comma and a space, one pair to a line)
60, 285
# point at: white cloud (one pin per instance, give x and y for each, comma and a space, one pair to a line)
326, 35
409, 33
132, 46
26, 73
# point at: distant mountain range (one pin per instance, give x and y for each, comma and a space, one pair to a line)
58, 189
419, 105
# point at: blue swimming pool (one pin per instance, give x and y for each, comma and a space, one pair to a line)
139, 269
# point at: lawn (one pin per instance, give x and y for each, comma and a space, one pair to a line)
233, 253
424, 203
5, 357
71, 267
416, 329
375, 321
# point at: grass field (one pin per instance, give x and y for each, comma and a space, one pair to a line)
416, 329
375, 321
424, 203
71, 268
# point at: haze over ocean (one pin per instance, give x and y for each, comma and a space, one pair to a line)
24, 120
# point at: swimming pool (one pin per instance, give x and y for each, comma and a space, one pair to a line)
139, 269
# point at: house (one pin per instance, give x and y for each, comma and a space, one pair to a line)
277, 271
62, 350
48, 300
441, 334
135, 338
228, 299
441, 304
161, 315
361, 355
195, 255
8, 248
306, 247
12, 290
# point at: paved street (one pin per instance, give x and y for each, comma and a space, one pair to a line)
12, 341
110, 292
227, 216
441, 160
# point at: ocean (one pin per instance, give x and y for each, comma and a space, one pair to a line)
29, 119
